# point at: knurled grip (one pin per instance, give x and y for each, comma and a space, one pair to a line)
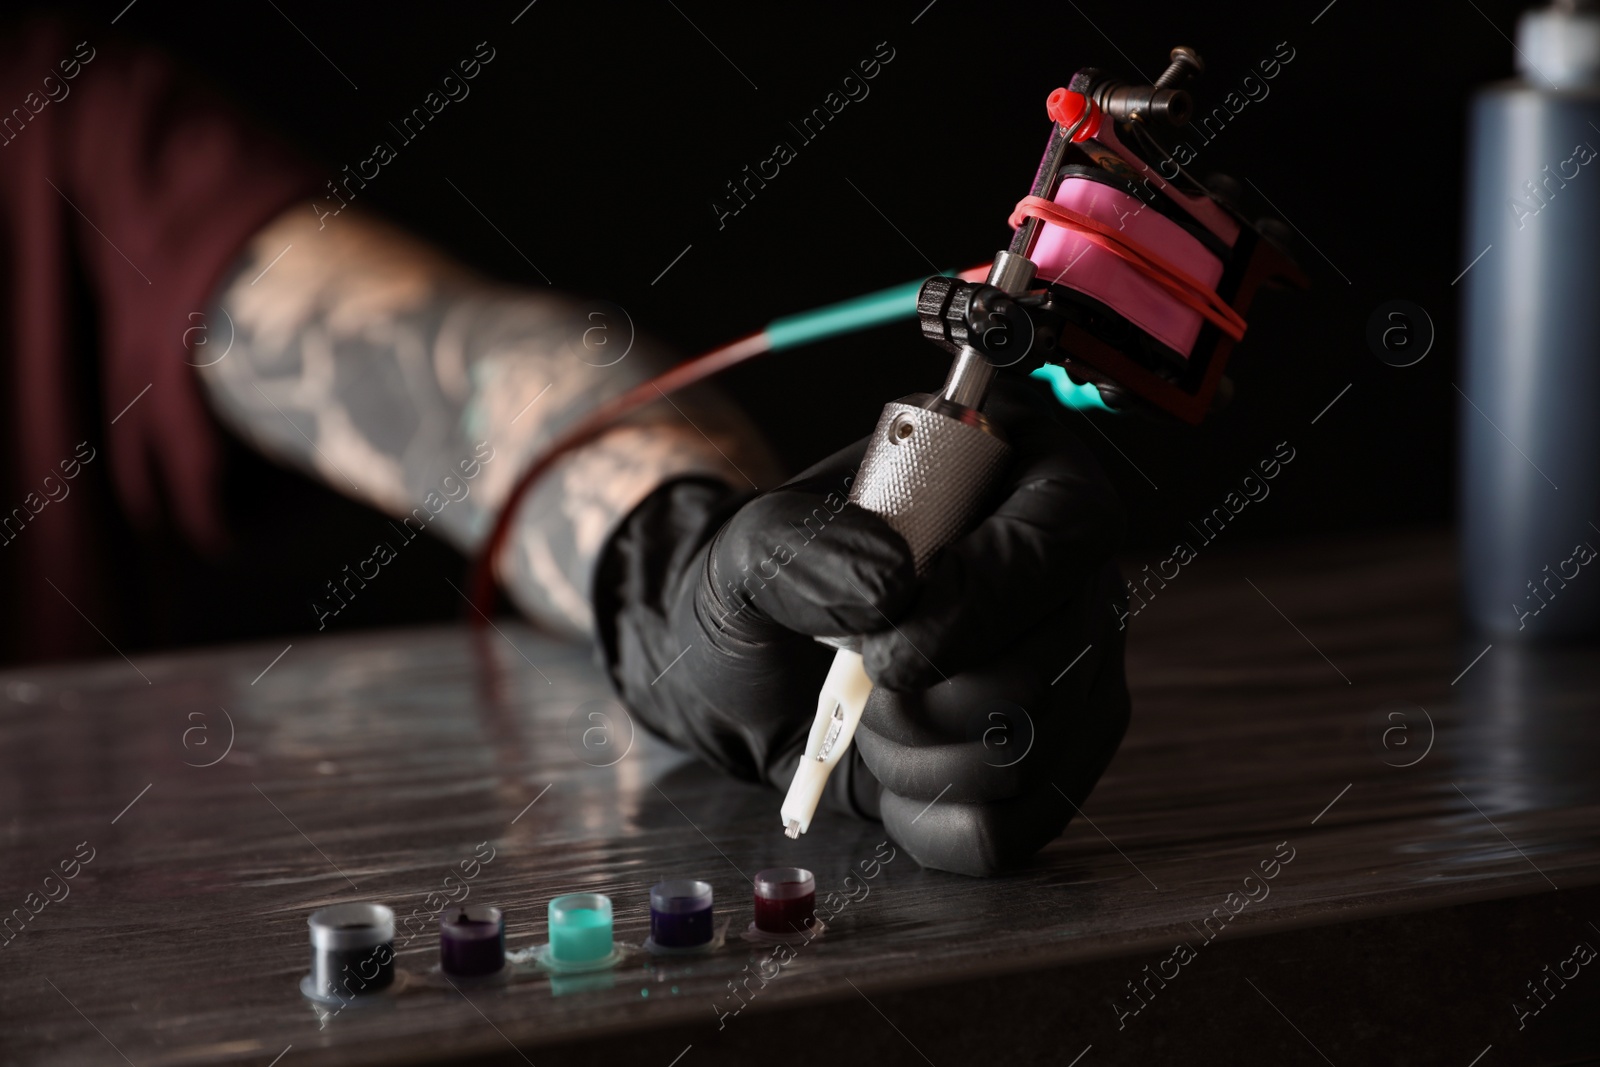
928, 469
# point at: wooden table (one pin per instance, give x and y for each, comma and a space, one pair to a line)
1314, 700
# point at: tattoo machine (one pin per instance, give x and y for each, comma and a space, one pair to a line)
1124, 272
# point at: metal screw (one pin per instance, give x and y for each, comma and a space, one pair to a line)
1185, 60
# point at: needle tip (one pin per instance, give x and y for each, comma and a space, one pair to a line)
792, 831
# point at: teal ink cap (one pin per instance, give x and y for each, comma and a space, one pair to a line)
580, 928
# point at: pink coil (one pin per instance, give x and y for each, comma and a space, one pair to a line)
1067, 259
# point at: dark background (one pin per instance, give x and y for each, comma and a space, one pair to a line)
598, 137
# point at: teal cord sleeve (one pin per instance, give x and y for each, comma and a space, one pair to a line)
1070, 393
848, 316
890, 305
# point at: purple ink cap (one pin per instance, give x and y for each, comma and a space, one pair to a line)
472, 941
680, 913
786, 900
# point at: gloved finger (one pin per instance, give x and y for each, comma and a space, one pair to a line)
986, 838
810, 561
977, 739
1055, 527
975, 839
992, 733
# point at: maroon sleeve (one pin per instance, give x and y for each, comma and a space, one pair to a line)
125, 193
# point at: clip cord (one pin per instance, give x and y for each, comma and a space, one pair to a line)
1188, 289
899, 302
605, 417
792, 331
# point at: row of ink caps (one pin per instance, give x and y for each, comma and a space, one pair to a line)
352, 945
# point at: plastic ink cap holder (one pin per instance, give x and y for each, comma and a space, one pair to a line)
680, 914
785, 899
580, 928
472, 941
352, 951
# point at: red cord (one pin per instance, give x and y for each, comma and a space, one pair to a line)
1186, 288
1182, 285
482, 587
682, 376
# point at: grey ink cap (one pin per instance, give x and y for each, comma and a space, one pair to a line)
347, 926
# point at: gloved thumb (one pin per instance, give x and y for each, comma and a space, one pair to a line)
811, 564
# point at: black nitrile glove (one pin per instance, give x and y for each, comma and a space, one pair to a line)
709, 601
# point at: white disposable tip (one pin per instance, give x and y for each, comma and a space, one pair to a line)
839, 707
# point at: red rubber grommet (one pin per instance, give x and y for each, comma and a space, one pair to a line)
1066, 108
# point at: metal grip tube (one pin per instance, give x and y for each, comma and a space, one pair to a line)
928, 468
929, 465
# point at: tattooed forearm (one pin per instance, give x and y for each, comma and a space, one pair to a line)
370, 360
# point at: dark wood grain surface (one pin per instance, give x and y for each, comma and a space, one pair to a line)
1312, 695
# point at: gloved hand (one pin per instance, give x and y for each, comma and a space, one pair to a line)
975, 746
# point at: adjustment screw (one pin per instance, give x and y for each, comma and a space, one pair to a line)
1185, 61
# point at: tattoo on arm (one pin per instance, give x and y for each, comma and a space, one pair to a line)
373, 362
